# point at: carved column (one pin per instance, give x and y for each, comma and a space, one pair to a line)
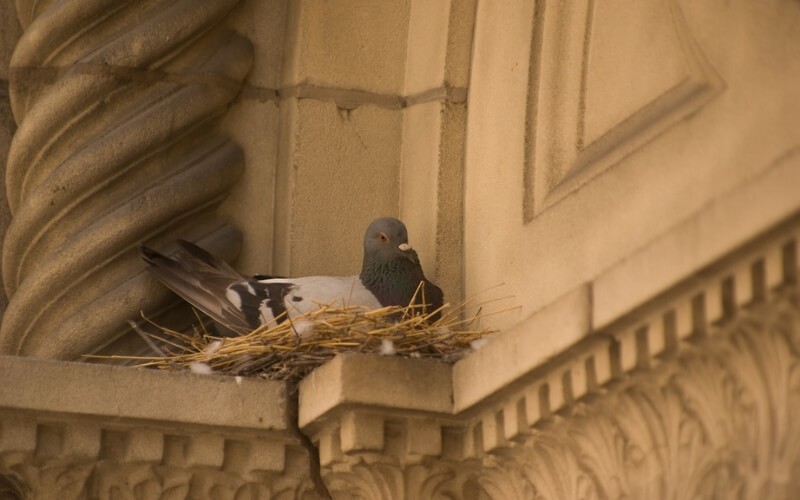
117, 104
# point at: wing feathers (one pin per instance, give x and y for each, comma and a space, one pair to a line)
242, 304
201, 282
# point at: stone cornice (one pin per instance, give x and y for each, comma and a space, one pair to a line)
123, 394
145, 434
510, 376
485, 415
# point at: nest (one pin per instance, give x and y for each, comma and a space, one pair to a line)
290, 349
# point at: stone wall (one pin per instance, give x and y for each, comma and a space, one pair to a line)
623, 172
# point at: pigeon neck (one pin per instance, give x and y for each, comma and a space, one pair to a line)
393, 282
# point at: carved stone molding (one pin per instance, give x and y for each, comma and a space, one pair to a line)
363, 479
141, 434
693, 395
116, 105
710, 412
605, 78
80, 460
718, 421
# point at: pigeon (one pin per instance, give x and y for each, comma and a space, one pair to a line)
391, 275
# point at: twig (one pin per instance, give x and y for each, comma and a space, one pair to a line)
146, 337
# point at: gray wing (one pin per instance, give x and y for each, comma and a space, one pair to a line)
263, 299
200, 279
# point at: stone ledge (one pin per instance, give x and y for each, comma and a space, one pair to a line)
123, 432
124, 393
724, 224
562, 324
361, 379
409, 409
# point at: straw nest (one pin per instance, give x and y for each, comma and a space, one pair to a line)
290, 349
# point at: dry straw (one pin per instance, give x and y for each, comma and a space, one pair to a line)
290, 349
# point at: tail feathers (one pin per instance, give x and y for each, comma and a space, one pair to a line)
200, 279
202, 255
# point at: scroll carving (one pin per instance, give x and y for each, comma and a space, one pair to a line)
116, 104
378, 478
720, 421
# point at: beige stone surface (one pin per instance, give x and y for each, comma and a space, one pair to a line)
339, 173
419, 178
428, 33
643, 70
450, 210
439, 45
431, 189
627, 169
640, 380
253, 121
10, 31
671, 177
434, 128
405, 127
699, 240
514, 353
7, 129
127, 393
353, 44
116, 145
670, 421
77, 430
254, 124
354, 379
263, 22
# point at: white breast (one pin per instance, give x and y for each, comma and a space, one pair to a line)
309, 293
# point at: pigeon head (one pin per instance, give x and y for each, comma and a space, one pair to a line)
386, 239
391, 270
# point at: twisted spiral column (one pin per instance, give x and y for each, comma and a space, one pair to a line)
117, 104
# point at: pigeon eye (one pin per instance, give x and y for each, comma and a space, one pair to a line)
383, 237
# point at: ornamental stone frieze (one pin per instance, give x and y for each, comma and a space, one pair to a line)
140, 434
694, 394
716, 421
628, 169
117, 105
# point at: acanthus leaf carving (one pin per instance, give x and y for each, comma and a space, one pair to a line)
717, 421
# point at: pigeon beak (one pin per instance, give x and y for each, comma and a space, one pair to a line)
407, 252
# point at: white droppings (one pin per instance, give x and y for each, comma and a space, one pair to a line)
415, 354
200, 368
404, 247
477, 344
213, 347
238, 379
387, 348
304, 328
